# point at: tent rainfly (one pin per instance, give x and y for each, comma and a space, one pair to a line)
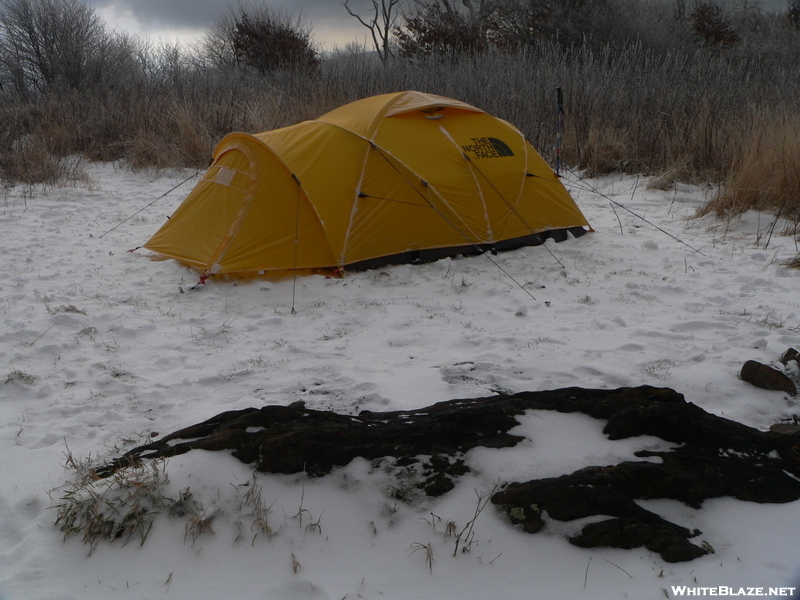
395, 178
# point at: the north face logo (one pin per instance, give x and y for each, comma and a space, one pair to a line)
487, 147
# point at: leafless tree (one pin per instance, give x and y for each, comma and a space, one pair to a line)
380, 25
44, 43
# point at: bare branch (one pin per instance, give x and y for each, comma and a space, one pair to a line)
384, 17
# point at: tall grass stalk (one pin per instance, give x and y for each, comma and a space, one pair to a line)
765, 174
685, 114
628, 109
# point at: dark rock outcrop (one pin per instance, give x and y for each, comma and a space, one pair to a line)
712, 456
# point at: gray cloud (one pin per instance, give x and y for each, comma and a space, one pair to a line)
330, 23
326, 17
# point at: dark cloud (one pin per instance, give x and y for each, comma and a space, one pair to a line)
201, 13
160, 14
329, 21
326, 17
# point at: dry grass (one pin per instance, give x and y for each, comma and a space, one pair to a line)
765, 174
605, 151
197, 524
30, 160
676, 112
678, 172
259, 510
428, 551
120, 507
626, 109
655, 106
20, 376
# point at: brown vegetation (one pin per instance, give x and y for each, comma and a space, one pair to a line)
765, 173
685, 101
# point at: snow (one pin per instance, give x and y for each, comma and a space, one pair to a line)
101, 348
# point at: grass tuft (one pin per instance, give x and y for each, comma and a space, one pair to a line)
427, 549
259, 510
20, 376
198, 523
120, 507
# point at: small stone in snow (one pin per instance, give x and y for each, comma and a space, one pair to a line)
790, 355
767, 378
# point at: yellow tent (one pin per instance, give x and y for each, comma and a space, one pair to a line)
387, 179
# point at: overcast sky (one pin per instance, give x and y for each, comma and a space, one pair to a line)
183, 19
170, 19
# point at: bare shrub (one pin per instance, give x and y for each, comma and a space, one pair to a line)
439, 29
262, 38
516, 24
448, 29
50, 43
712, 26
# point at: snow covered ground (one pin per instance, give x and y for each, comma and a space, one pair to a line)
102, 348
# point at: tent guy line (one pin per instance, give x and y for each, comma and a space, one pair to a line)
589, 187
126, 219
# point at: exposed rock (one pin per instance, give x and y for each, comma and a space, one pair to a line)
652, 532
690, 473
713, 457
767, 378
786, 428
790, 355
